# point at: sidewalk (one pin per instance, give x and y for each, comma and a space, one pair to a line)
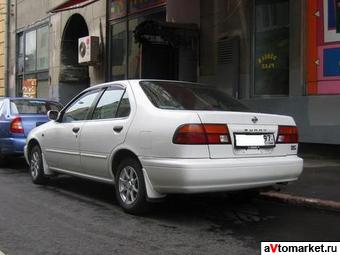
319, 184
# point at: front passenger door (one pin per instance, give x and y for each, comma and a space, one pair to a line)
62, 140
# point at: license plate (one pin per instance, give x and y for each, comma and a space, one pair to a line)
254, 140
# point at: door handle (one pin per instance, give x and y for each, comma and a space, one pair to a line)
75, 129
118, 129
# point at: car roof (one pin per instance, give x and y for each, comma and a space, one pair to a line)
134, 81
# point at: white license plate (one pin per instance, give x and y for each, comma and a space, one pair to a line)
254, 140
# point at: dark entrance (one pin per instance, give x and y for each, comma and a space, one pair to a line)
159, 62
73, 77
168, 51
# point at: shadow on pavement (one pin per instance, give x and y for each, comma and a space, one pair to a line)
234, 214
15, 164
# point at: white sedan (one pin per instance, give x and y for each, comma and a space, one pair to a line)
151, 138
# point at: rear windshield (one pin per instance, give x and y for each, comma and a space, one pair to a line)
187, 96
24, 106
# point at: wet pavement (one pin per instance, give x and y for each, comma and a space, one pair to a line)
74, 216
320, 179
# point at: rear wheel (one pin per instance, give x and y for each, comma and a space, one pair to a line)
36, 166
130, 186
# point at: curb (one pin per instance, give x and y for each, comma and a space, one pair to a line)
303, 201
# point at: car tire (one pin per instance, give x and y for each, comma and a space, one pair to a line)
130, 187
36, 166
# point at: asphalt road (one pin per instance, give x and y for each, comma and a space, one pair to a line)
74, 216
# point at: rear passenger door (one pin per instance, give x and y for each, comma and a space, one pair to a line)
105, 131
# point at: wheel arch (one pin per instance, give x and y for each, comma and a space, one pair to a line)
123, 153
119, 156
30, 145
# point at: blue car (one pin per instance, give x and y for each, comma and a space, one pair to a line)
17, 117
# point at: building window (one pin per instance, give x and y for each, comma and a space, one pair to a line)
31, 50
125, 52
118, 51
134, 51
32, 62
271, 56
42, 46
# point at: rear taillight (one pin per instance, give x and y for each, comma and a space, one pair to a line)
287, 134
202, 134
16, 126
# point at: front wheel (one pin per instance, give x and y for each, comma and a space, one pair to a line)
130, 187
36, 166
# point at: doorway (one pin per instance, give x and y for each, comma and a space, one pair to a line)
159, 62
73, 78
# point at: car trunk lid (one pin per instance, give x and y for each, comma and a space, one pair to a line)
31, 121
251, 134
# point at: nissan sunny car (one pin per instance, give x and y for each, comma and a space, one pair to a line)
151, 138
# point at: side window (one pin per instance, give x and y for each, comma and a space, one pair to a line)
124, 107
108, 104
1, 104
80, 108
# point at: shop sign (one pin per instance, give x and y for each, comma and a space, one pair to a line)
141, 5
29, 88
118, 9
268, 61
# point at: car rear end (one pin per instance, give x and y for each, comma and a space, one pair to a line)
244, 150
21, 117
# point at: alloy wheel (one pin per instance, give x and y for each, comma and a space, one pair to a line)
128, 185
35, 161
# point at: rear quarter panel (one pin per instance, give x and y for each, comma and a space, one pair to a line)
152, 130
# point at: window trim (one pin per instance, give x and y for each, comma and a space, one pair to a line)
111, 87
71, 103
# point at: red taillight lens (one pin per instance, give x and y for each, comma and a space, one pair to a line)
202, 134
287, 134
217, 134
16, 126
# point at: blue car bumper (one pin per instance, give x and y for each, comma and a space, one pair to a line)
12, 146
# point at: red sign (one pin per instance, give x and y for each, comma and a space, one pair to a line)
29, 88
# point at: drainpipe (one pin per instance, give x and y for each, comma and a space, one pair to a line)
6, 48
106, 57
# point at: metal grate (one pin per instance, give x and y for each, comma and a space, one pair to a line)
225, 51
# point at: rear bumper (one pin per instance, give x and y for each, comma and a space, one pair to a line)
211, 175
12, 146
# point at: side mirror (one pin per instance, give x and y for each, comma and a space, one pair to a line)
53, 115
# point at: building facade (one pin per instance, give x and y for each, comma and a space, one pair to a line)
3, 22
277, 56
44, 52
